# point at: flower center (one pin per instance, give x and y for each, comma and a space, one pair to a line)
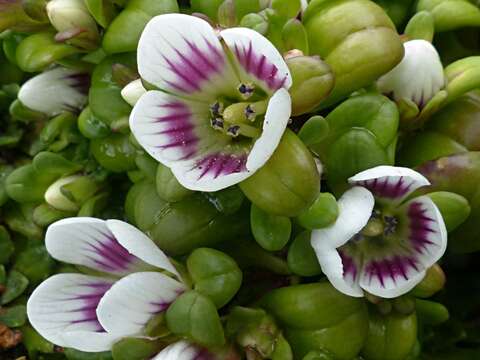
239, 118
380, 224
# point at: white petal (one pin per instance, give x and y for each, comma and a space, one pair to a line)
418, 77
390, 183
133, 300
427, 234
55, 91
343, 280
355, 209
183, 350
133, 91
257, 58
276, 121
67, 303
88, 242
87, 342
387, 285
177, 133
140, 245
182, 55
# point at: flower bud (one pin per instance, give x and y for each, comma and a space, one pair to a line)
55, 197
55, 91
418, 77
433, 282
74, 23
356, 38
133, 91
313, 81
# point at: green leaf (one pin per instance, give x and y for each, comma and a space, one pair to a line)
322, 213
271, 232
132, 348
35, 263
6, 246
195, 316
454, 208
301, 256
16, 284
314, 130
14, 316
214, 274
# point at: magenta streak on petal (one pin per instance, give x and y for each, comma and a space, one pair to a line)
259, 66
88, 310
110, 255
394, 268
194, 66
221, 164
178, 130
420, 227
387, 187
349, 267
80, 81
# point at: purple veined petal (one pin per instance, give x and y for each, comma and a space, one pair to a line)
89, 242
126, 308
55, 91
217, 170
342, 271
140, 245
173, 130
257, 58
392, 275
181, 54
183, 350
355, 209
178, 134
424, 229
390, 183
67, 303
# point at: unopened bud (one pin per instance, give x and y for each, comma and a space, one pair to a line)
313, 81
133, 91
72, 19
55, 198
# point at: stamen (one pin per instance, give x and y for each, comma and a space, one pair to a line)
233, 130
246, 90
391, 223
217, 123
216, 109
250, 113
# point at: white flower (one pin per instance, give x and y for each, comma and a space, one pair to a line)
90, 313
418, 77
223, 103
55, 91
381, 243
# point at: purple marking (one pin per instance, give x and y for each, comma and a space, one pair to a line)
194, 66
387, 187
349, 266
179, 130
79, 81
420, 227
221, 164
259, 66
90, 303
110, 255
394, 268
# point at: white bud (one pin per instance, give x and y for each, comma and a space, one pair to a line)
133, 91
55, 198
55, 91
418, 77
67, 15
